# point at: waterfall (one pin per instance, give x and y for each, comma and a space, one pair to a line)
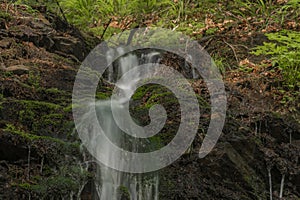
110, 183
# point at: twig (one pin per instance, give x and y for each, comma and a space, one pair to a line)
241, 45
62, 12
105, 29
42, 164
281, 186
232, 48
207, 43
270, 182
28, 162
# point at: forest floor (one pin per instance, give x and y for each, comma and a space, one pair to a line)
40, 154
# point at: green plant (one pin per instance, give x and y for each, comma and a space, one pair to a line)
82, 12
5, 16
291, 10
87, 14
123, 192
7, 74
29, 6
284, 52
220, 63
260, 9
34, 79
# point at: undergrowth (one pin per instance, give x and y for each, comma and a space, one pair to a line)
284, 52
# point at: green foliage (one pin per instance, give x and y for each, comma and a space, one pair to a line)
52, 147
5, 16
291, 5
44, 118
124, 193
248, 7
66, 180
81, 12
220, 63
32, 113
28, 4
34, 79
284, 52
101, 95
89, 13
7, 74
30, 137
290, 11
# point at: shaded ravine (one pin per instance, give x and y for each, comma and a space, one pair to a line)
41, 156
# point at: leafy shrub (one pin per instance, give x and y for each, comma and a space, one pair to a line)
284, 52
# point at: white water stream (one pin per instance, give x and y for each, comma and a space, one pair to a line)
110, 183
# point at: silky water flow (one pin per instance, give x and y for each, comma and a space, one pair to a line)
112, 184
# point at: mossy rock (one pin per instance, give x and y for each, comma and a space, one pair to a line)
64, 184
39, 118
52, 147
123, 193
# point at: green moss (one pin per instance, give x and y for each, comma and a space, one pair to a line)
68, 108
44, 118
154, 90
53, 91
53, 119
31, 137
166, 98
154, 97
139, 93
142, 91
53, 149
102, 96
34, 79
124, 193
25, 186
156, 142
30, 104
211, 31
60, 183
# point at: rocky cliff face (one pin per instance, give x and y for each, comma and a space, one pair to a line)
40, 154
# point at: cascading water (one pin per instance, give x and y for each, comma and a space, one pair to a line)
107, 129
110, 183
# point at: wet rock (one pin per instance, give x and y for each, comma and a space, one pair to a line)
15, 152
42, 24
60, 79
69, 45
